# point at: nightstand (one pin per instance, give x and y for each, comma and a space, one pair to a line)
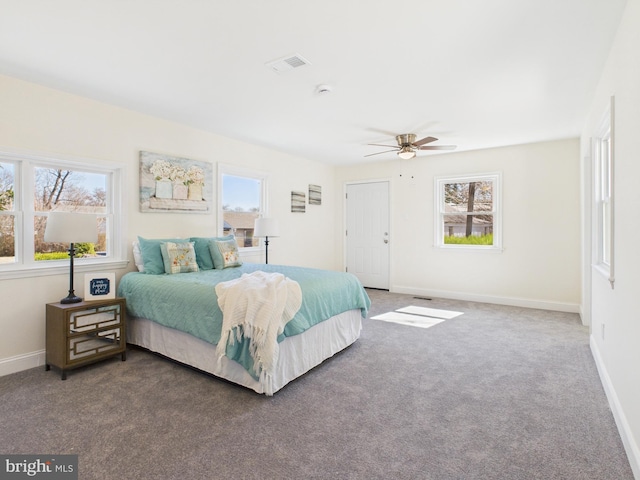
85, 332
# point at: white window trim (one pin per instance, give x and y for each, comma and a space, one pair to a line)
226, 169
24, 201
438, 229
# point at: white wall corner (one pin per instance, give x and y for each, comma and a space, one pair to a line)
630, 445
585, 315
22, 362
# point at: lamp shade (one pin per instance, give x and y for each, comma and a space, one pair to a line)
67, 227
266, 227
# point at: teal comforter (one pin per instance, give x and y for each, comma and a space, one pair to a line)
188, 301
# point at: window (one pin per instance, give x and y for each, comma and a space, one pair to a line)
468, 212
603, 195
31, 187
7, 213
604, 199
242, 200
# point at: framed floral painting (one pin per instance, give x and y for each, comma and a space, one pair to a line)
174, 184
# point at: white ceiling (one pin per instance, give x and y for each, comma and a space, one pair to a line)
475, 73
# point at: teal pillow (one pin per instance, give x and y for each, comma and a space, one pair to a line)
225, 253
203, 255
152, 255
178, 257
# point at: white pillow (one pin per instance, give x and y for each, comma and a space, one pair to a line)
137, 256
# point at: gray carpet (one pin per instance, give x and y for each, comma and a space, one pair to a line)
497, 393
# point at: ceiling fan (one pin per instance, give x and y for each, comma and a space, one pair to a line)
408, 145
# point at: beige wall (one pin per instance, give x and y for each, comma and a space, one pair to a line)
615, 337
41, 120
540, 263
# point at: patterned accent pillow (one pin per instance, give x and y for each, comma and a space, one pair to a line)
178, 257
225, 253
203, 255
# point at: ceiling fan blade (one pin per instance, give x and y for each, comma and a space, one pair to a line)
424, 141
380, 145
380, 131
438, 147
378, 153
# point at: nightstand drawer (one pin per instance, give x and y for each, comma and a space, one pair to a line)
95, 343
94, 319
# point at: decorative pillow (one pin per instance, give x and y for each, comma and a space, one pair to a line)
152, 255
225, 253
178, 257
137, 257
203, 255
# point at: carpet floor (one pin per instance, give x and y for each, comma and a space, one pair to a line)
496, 393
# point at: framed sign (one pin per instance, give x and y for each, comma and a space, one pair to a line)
99, 286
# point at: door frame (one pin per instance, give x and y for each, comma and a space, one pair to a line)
344, 219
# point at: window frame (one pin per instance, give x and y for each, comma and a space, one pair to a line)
25, 164
604, 194
439, 214
231, 170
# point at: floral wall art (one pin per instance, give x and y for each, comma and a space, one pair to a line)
174, 184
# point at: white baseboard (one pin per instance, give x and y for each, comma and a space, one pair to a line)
630, 446
511, 301
22, 362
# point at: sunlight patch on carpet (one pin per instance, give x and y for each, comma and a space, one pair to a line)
417, 316
430, 312
407, 319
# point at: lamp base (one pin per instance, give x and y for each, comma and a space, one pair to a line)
71, 299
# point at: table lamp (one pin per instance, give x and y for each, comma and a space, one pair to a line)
67, 227
266, 227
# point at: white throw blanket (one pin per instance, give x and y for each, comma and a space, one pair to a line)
258, 305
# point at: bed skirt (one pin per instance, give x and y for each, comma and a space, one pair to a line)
298, 354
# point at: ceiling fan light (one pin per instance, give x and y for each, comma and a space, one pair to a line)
406, 153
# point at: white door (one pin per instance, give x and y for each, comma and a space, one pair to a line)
367, 235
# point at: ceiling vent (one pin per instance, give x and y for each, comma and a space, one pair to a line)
288, 63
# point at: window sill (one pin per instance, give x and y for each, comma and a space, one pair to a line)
61, 268
250, 249
469, 248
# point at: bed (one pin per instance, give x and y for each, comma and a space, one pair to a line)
178, 316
